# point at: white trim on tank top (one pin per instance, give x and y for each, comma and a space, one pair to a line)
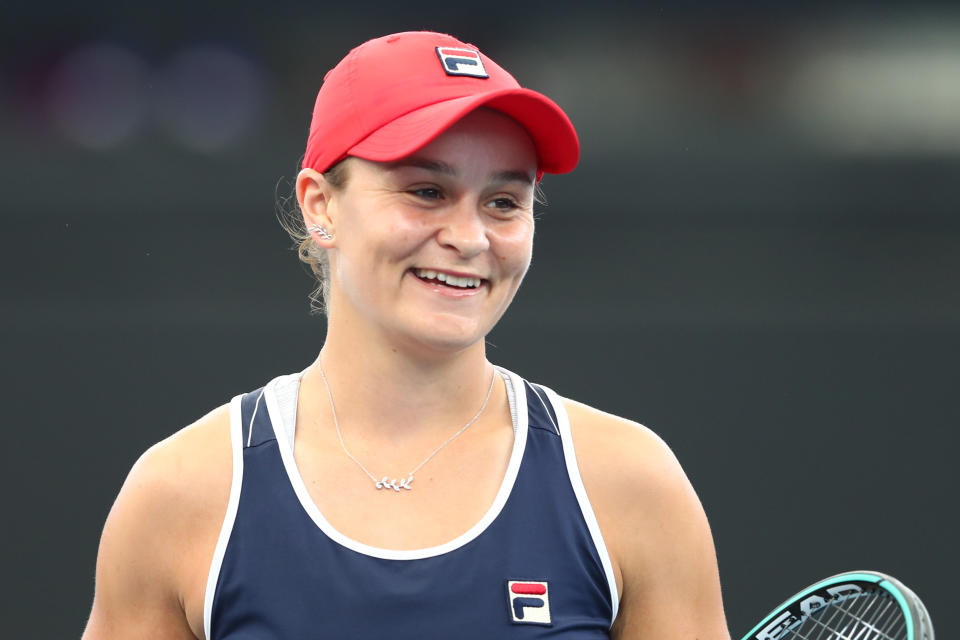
573, 471
213, 577
303, 495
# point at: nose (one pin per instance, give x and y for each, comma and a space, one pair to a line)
464, 230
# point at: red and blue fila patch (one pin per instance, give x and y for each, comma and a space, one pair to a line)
461, 62
529, 601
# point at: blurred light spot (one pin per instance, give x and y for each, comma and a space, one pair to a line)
96, 95
209, 97
889, 98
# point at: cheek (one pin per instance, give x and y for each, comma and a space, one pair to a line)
387, 241
404, 234
514, 249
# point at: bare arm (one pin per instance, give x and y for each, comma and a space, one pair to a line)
655, 529
159, 537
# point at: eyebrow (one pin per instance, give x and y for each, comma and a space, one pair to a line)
510, 175
513, 176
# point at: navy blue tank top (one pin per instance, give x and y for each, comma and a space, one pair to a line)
535, 566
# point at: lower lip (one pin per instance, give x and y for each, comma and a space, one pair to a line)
444, 290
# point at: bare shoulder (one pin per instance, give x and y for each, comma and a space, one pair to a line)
654, 527
160, 533
620, 456
181, 482
189, 469
633, 479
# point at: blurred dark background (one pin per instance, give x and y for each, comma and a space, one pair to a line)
758, 258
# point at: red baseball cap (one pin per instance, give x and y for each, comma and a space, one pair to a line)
393, 95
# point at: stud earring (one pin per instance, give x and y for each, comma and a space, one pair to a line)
323, 233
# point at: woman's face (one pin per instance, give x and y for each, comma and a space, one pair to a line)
431, 249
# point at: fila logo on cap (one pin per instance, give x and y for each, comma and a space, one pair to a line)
529, 601
461, 62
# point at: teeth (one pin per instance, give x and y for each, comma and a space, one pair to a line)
453, 281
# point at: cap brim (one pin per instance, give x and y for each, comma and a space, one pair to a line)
558, 148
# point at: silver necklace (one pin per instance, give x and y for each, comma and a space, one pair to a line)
385, 482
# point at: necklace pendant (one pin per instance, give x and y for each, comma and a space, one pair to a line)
385, 483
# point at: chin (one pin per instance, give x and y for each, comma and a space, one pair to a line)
445, 334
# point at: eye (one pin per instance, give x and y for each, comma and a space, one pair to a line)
505, 205
427, 193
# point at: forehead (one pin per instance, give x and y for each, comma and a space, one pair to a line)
426, 163
482, 143
485, 130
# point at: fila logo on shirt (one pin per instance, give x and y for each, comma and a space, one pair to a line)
461, 62
529, 601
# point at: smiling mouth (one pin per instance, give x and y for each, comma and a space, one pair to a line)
447, 280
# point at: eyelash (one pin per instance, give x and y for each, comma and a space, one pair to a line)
512, 204
420, 193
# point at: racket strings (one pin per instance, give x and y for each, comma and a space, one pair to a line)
868, 616
872, 616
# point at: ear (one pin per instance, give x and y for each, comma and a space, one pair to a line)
313, 194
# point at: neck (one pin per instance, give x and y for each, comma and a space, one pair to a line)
384, 389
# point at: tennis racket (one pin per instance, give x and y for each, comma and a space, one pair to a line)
858, 605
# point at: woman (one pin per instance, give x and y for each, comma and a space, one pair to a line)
402, 486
